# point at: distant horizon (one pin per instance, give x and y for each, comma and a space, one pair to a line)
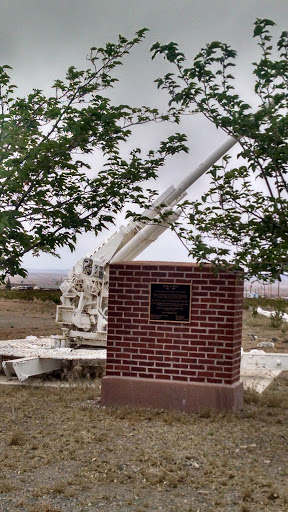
48, 270
252, 281
51, 276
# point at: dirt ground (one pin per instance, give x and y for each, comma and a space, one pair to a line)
257, 329
19, 318
60, 451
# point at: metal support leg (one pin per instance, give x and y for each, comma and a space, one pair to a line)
30, 366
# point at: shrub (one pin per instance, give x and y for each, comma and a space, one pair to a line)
279, 310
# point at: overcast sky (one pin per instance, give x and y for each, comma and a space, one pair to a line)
40, 39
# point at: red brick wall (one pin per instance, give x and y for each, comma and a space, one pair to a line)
207, 349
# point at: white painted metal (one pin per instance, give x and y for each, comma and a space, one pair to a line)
83, 312
203, 167
30, 366
143, 239
50, 348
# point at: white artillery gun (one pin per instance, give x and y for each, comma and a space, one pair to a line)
84, 301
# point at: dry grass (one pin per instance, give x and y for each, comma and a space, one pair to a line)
260, 326
17, 438
76, 455
19, 318
61, 451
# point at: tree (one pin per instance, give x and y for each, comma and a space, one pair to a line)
48, 191
246, 208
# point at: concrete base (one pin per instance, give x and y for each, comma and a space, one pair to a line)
164, 394
258, 379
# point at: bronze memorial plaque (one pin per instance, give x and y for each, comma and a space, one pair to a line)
170, 302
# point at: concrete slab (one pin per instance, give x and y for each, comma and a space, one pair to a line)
42, 347
38, 382
258, 379
254, 378
171, 394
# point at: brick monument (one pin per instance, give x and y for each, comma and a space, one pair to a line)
174, 337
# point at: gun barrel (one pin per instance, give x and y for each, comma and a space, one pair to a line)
145, 237
200, 170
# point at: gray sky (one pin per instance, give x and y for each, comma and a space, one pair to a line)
40, 39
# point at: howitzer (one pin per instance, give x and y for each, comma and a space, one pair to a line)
84, 301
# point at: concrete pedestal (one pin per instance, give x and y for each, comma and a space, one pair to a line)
164, 394
174, 337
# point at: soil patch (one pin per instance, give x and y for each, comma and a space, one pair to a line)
21, 318
60, 450
257, 329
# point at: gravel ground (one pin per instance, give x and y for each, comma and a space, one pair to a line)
19, 318
61, 451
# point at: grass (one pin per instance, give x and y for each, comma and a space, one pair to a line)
60, 450
54, 295
262, 302
17, 438
257, 328
43, 295
77, 455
